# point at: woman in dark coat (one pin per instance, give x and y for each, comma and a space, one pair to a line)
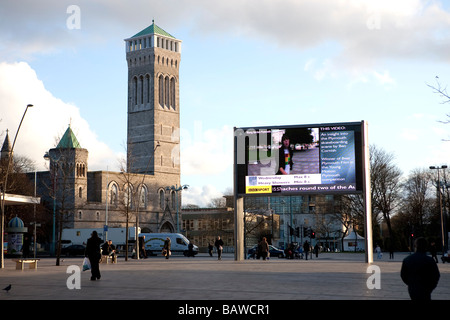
93, 253
219, 245
167, 247
264, 248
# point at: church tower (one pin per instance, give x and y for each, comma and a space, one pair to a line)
153, 137
68, 168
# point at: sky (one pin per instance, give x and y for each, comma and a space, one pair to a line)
243, 63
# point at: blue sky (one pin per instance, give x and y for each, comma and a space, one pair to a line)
243, 63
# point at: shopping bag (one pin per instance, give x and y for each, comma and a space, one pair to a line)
86, 264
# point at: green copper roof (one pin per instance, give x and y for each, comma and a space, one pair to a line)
153, 29
68, 140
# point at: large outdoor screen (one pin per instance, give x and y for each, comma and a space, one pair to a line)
287, 160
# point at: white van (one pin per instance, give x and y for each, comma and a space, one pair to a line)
179, 244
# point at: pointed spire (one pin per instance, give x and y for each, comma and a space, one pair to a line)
6, 144
6, 148
68, 140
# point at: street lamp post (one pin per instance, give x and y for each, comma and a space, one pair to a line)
443, 167
54, 173
177, 188
4, 189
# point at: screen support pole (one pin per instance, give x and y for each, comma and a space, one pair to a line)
238, 211
239, 228
367, 194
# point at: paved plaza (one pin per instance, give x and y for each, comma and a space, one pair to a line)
331, 276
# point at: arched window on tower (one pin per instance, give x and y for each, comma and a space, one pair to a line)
172, 93
166, 92
141, 89
135, 90
148, 88
161, 91
161, 199
173, 200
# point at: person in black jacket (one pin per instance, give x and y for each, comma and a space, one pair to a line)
420, 272
219, 245
166, 248
285, 156
306, 248
93, 253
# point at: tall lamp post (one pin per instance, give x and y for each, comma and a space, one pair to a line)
177, 188
443, 167
54, 175
4, 189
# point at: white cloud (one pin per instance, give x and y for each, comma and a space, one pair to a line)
46, 121
206, 153
410, 134
384, 78
200, 196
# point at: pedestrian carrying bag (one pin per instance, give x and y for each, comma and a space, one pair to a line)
86, 264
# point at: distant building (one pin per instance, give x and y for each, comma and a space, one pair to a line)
280, 219
203, 225
295, 213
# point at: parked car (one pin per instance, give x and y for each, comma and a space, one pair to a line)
274, 252
74, 250
446, 257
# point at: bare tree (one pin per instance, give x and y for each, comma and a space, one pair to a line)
125, 201
350, 213
217, 203
417, 197
385, 184
442, 92
386, 193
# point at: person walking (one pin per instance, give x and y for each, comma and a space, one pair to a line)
378, 251
210, 249
306, 249
142, 252
264, 248
433, 251
420, 272
316, 250
391, 251
92, 251
219, 246
166, 247
191, 249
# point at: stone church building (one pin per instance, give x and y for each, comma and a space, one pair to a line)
149, 185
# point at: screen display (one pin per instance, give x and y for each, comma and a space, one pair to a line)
325, 158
